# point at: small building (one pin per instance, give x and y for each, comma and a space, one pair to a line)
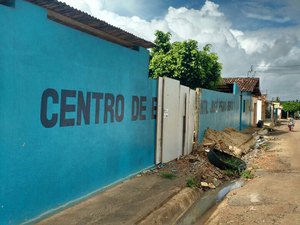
251, 101
264, 107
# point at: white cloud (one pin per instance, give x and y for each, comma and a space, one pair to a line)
271, 51
89, 6
268, 18
274, 11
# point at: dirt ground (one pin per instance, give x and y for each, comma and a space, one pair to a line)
273, 196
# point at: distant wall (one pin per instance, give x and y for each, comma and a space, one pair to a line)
259, 110
77, 113
256, 110
218, 110
246, 110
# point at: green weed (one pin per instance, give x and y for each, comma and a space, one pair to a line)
232, 173
247, 174
233, 162
191, 182
169, 176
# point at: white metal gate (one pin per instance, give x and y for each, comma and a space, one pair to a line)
175, 120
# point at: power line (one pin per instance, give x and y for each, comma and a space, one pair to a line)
278, 66
278, 71
285, 74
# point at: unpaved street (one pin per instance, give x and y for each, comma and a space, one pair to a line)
273, 196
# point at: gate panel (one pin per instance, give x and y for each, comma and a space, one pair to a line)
170, 119
191, 120
183, 123
175, 120
159, 122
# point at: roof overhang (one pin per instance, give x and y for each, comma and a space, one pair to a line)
65, 14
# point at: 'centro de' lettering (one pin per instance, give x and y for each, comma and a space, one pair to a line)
71, 108
113, 107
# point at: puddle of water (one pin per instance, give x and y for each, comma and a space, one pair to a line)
197, 212
227, 188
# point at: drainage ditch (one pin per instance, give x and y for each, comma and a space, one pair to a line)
204, 206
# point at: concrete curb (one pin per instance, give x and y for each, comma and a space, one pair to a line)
172, 210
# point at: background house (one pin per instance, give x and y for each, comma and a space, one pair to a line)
252, 102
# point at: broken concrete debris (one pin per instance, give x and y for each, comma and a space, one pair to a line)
230, 141
196, 166
204, 184
207, 185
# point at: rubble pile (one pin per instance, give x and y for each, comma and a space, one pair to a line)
194, 167
195, 170
229, 140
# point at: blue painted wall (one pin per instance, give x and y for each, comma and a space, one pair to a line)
52, 76
246, 109
220, 110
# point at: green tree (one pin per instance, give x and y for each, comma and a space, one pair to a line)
291, 106
162, 42
183, 61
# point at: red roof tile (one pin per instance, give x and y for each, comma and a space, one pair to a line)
249, 84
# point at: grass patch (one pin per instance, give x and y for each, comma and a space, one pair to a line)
247, 174
232, 162
232, 173
169, 176
235, 167
267, 146
191, 182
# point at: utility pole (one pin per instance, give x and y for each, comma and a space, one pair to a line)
251, 72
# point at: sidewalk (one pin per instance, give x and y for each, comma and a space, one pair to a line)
126, 203
148, 198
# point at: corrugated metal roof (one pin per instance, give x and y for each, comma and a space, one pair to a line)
250, 84
77, 19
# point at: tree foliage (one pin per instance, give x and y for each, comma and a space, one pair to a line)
291, 106
183, 61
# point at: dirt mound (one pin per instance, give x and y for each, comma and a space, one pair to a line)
196, 170
229, 140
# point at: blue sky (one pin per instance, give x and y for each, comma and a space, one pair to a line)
158, 8
262, 33
245, 15
252, 15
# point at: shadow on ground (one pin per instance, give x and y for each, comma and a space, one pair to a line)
276, 132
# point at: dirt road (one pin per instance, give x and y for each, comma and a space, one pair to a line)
273, 197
